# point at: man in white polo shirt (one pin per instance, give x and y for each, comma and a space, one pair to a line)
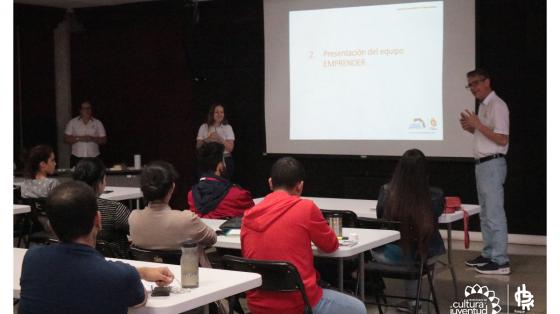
491, 140
85, 134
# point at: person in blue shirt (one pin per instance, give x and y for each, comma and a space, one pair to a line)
72, 277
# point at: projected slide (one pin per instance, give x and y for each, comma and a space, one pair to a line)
367, 73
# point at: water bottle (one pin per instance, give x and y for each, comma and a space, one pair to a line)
335, 221
189, 264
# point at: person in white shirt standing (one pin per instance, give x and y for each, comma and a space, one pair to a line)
85, 134
217, 129
490, 128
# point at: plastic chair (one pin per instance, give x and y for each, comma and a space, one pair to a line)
157, 256
39, 230
422, 267
279, 276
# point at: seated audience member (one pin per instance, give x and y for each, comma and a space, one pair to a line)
282, 227
40, 163
408, 198
114, 215
215, 196
72, 277
158, 227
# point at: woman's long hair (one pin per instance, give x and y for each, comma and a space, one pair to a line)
409, 201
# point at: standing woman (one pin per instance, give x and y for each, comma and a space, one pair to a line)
217, 129
40, 164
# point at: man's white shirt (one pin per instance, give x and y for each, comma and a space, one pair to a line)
493, 113
77, 127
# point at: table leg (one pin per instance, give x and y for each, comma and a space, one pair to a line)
449, 263
138, 203
341, 274
362, 277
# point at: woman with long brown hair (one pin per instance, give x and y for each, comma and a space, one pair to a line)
409, 199
218, 129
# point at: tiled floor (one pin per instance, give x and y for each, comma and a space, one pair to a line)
528, 269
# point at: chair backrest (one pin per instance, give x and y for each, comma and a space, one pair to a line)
38, 213
17, 194
349, 218
37, 204
108, 249
280, 276
157, 256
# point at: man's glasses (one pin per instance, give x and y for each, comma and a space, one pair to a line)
475, 83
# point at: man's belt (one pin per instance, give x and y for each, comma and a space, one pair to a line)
484, 159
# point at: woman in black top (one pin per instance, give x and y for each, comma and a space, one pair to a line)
409, 199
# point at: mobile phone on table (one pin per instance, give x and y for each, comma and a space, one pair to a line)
161, 291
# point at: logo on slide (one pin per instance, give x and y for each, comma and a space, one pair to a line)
478, 300
433, 123
417, 124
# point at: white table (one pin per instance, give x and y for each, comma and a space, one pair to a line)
21, 209
214, 284
119, 193
367, 209
368, 239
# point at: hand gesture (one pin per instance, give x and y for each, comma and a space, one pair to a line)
86, 138
215, 137
469, 121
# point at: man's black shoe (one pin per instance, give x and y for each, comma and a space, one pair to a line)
478, 261
494, 269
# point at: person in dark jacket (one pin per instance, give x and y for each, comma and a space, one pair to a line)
409, 199
215, 196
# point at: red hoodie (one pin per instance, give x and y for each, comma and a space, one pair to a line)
282, 227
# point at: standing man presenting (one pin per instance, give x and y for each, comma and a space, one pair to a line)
490, 129
85, 134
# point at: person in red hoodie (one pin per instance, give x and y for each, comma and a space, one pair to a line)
282, 227
215, 196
